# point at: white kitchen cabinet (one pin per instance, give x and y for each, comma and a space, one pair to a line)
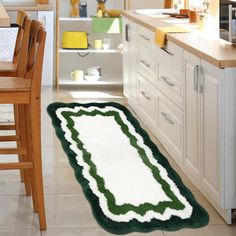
169, 127
46, 17
129, 62
147, 95
192, 159
204, 162
190, 106
212, 161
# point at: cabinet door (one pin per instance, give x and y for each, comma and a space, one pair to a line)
126, 56
211, 105
129, 61
192, 118
46, 17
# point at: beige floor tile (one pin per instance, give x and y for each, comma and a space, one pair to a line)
92, 232
17, 213
54, 157
49, 139
61, 181
20, 233
210, 230
65, 211
10, 183
215, 218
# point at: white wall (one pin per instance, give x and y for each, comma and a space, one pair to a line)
144, 4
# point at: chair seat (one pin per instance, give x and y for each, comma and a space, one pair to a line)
7, 67
14, 84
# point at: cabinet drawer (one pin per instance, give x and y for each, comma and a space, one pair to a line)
170, 127
147, 63
147, 101
170, 81
146, 37
172, 54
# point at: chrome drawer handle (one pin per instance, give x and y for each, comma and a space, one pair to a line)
145, 37
168, 52
145, 63
171, 84
167, 118
145, 95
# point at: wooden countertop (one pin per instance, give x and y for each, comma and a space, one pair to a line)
218, 52
36, 7
4, 18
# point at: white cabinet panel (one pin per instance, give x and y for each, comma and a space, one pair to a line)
170, 124
147, 63
46, 17
192, 116
146, 37
171, 82
129, 62
147, 101
172, 54
211, 159
203, 161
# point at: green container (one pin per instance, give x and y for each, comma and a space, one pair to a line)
108, 25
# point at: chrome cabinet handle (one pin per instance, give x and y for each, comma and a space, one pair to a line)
168, 52
145, 37
145, 63
127, 28
145, 95
167, 118
196, 75
198, 79
165, 79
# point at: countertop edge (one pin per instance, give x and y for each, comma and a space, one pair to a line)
201, 54
37, 7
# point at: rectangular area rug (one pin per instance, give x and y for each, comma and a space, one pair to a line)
129, 184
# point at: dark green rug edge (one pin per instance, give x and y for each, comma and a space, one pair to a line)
199, 217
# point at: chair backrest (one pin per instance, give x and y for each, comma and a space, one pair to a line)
37, 38
21, 21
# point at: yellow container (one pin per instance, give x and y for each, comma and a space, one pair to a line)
74, 40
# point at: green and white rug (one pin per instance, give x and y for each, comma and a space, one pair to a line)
128, 182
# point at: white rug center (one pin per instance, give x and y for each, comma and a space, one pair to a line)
117, 162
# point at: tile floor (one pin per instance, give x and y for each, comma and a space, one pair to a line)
67, 211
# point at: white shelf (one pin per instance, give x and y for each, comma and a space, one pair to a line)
75, 19
61, 50
105, 80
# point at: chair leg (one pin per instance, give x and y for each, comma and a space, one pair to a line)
29, 151
16, 118
35, 130
20, 120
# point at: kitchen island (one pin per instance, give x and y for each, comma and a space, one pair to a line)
186, 94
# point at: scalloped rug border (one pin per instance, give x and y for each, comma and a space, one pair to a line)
199, 216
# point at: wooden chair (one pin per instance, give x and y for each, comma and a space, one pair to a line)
18, 64
17, 68
25, 92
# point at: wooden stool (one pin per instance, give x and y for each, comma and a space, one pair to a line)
17, 68
25, 92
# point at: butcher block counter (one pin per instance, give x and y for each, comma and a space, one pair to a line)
36, 7
217, 52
